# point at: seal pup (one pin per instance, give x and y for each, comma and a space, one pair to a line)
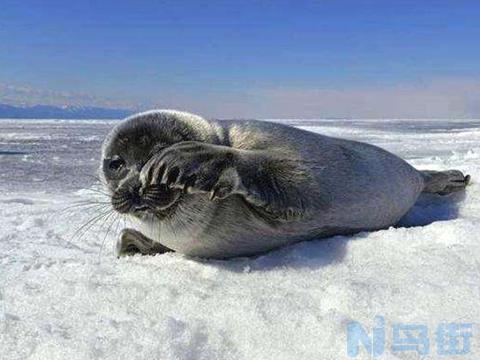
220, 189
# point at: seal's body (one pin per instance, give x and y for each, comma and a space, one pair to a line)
232, 188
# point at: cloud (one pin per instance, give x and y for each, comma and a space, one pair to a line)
451, 98
28, 96
447, 98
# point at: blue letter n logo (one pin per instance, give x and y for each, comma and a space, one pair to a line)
357, 336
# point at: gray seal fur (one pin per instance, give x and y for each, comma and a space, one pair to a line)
220, 189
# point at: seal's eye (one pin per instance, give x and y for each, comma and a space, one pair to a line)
116, 163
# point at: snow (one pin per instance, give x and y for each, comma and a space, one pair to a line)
63, 294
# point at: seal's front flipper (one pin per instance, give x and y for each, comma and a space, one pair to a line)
132, 242
444, 182
273, 181
277, 186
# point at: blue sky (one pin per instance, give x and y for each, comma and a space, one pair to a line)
247, 58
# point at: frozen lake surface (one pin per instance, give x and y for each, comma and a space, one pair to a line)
63, 294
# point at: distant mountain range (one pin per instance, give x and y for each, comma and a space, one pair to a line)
66, 112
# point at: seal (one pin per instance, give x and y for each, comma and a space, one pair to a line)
221, 189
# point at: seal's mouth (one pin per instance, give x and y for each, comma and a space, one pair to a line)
158, 200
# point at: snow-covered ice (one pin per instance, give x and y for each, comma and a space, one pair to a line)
63, 294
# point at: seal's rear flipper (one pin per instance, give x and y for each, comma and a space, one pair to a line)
444, 182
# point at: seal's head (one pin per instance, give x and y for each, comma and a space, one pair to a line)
128, 148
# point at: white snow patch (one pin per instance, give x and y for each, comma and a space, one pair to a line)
63, 295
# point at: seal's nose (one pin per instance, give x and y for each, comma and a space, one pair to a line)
137, 201
140, 207
130, 196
